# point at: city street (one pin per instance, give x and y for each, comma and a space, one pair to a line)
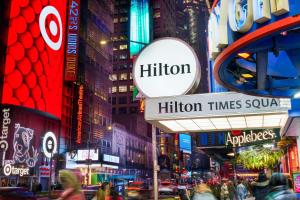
150, 99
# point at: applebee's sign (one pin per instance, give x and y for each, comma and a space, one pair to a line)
239, 138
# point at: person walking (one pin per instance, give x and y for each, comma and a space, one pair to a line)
224, 192
279, 188
231, 190
260, 187
71, 185
203, 192
241, 191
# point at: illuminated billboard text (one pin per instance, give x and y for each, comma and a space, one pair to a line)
72, 40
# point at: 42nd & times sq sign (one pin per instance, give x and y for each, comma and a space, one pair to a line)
238, 138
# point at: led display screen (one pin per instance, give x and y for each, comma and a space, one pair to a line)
185, 143
33, 71
21, 139
139, 25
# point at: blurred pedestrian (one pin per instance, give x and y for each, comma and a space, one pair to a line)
104, 192
71, 185
260, 187
279, 188
241, 191
203, 192
231, 189
224, 192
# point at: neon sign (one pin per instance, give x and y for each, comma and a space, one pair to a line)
72, 45
4, 132
241, 16
8, 170
79, 114
242, 138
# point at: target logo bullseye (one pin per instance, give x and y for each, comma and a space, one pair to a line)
54, 28
7, 169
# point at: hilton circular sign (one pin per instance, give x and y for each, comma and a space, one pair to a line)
166, 67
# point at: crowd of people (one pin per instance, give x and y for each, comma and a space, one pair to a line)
275, 188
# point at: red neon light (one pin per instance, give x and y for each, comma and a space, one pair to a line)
33, 69
249, 38
79, 114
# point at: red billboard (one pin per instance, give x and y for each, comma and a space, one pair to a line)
33, 69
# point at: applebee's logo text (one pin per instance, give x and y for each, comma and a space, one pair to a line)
4, 133
251, 137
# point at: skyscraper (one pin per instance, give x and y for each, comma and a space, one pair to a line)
197, 14
87, 98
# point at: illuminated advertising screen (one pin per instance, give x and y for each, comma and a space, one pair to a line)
21, 139
139, 25
185, 143
72, 41
33, 69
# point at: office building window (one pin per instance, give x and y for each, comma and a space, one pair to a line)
123, 88
123, 57
130, 76
123, 76
116, 20
122, 110
123, 19
113, 77
123, 46
123, 100
114, 89
131, 87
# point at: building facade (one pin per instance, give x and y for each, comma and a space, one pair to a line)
88, 116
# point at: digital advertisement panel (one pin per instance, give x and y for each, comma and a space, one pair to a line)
21, 139
33, 71
296, 179
185, 143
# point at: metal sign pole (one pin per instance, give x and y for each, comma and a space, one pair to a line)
155, 166
50, 178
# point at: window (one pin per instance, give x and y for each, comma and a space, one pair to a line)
123, 57
123, 100
133, 109
113, 77
123, 37
130, 76
114, 89
122, 110
123, 46
123, 76
123, 66
123, 88
108, 144
123, 19
116, 20
114, 111
156, 15
131, 88
113, 100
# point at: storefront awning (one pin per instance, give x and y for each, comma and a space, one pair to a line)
216, 111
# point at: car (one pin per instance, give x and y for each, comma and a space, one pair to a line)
137, 190
167, 188
16, 193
